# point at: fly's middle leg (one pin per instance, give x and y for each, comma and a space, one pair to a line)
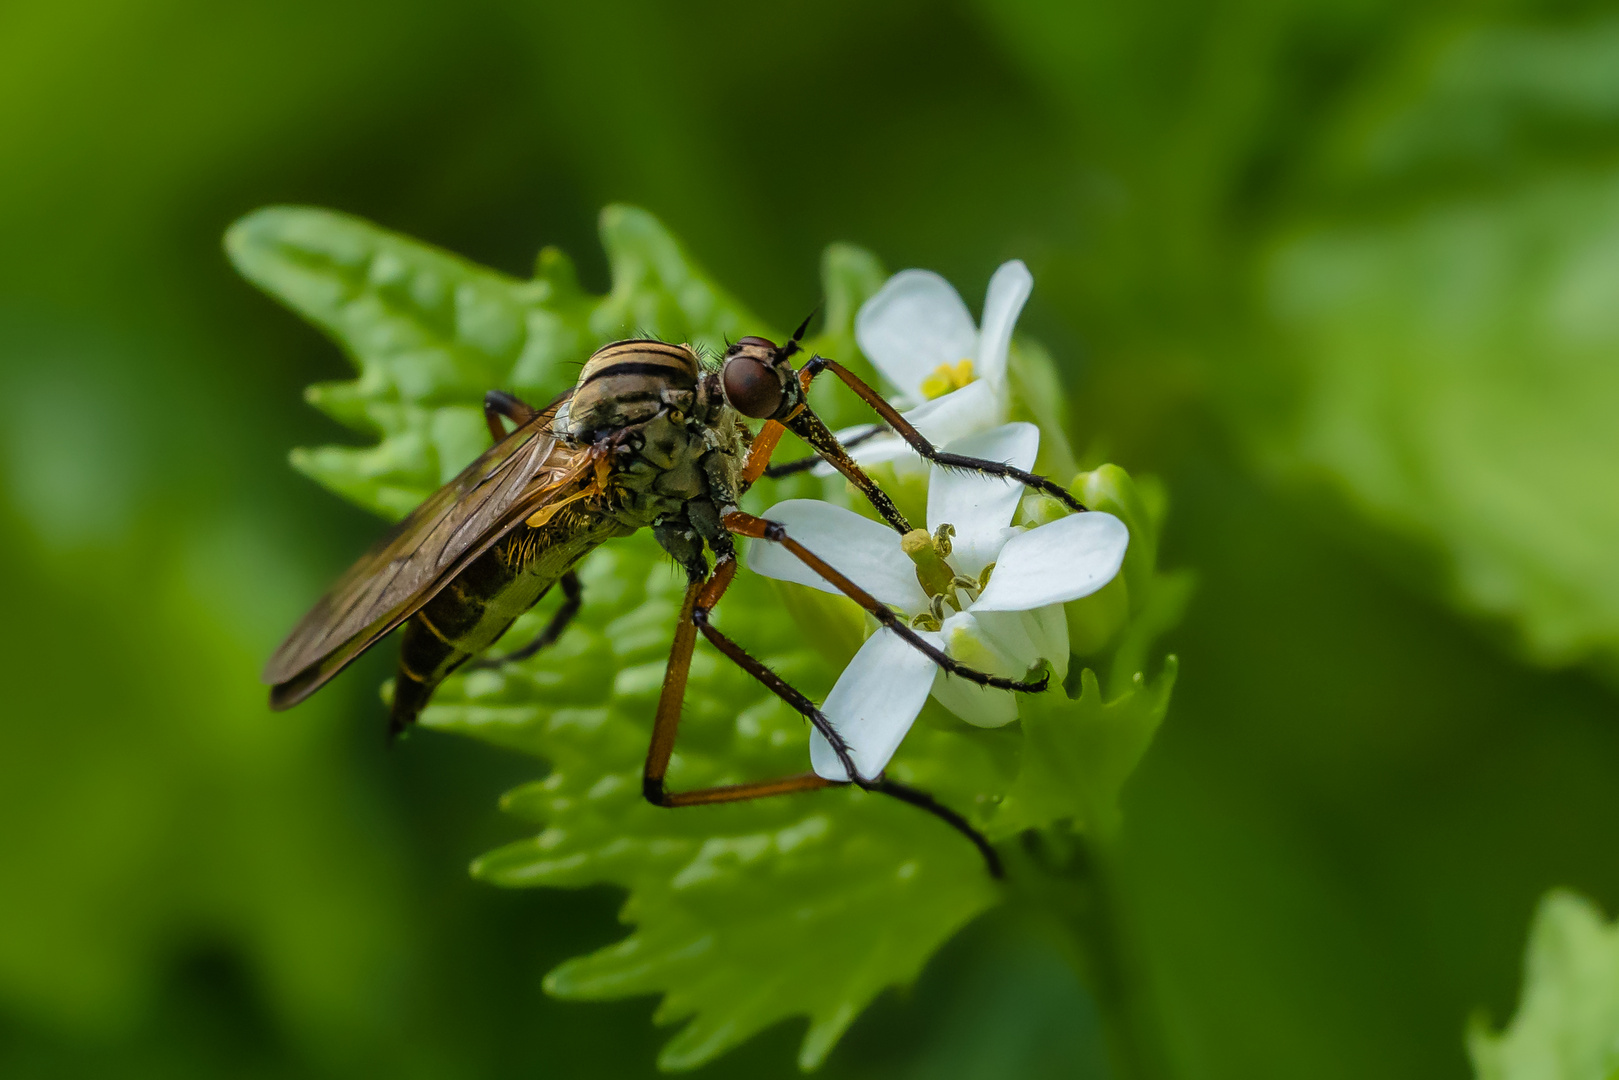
703, 593
498, 403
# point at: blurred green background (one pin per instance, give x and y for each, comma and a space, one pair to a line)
1345, 274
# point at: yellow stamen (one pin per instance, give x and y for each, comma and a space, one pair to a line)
932, 572
948, 377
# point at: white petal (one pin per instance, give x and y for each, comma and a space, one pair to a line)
1049, 629
966, 640
1008, 291
916, 322
980, 706
873, 704
974, 408
1028, 636
873, 451
980, 506
1061, 560
861, 549
1007, 632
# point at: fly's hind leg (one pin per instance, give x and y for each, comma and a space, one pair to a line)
572, 599
498, 403
702, 595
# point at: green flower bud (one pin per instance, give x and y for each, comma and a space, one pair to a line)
1094, 620
1110, 489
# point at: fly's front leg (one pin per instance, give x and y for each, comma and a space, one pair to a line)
498, 403
805, 464
916, 439
572, 599
759, 451
776, 533
807, 426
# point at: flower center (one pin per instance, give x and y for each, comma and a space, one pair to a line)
947, 378
937, 577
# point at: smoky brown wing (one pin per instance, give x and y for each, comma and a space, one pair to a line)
418, 556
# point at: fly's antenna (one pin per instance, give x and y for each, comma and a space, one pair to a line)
792, 345
798, 335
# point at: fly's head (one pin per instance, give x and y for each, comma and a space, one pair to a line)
758, 380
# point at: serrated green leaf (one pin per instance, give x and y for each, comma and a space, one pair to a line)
1077, 754
1567, 1026
746, 914
658, 290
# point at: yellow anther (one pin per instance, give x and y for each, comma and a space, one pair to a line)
948, 377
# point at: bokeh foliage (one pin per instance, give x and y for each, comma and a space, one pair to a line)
1330, 855
1569, 1012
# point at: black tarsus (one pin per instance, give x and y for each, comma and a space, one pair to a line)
924, 801
803, 705
773, 682
1002, 469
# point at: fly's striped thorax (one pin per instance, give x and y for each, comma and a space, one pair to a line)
627, 382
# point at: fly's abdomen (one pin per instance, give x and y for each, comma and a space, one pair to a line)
471, 612
448, 629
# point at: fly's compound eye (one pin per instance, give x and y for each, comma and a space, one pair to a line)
752, 388
763, 343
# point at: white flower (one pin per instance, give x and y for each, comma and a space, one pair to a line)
994, 603
949, 373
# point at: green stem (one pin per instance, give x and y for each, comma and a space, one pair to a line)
1119, 983
1074, 891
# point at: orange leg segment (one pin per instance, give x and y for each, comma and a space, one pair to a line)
701, 596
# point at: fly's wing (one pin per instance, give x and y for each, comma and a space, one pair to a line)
456, 524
